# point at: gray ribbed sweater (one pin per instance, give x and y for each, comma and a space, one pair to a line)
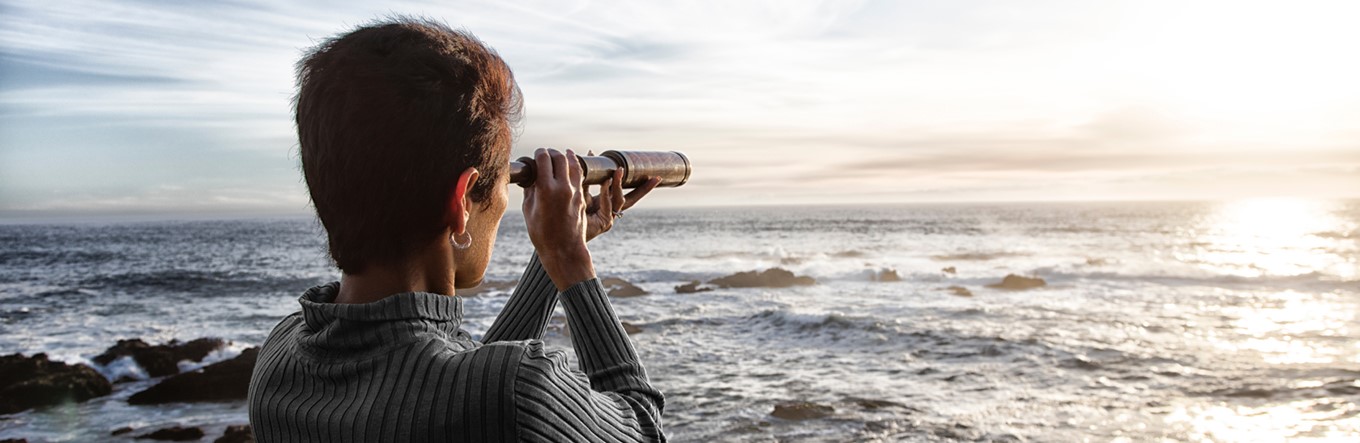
401, 369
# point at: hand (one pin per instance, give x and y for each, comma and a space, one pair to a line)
555, 216
600, 211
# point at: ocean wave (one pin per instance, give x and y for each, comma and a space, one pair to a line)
192, 281
63, 257
1311, 280
977, 255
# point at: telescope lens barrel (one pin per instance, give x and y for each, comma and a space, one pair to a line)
672, 167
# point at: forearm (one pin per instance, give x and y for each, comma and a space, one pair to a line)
525, 315
603, 348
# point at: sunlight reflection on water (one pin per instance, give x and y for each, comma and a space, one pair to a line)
1272, 237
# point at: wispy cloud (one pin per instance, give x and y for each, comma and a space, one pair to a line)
780, 102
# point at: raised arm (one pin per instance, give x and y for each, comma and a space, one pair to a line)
613, 397
612, 401
525, 316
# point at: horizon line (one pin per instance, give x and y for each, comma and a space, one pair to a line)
46, 216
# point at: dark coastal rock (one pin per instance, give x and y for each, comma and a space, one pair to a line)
875, 404
487, 287
949, 270
1017, 282
237, 434
121, 431
618, 287
769, 278
884, 275
174, 433
959, 291
222, 381
692, 287
160, 360
14, 440
30, 382
801, 410
631, 328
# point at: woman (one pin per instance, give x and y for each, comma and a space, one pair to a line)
404, 130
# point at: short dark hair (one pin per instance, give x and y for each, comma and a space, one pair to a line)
388, 116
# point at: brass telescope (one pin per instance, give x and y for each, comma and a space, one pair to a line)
673, 168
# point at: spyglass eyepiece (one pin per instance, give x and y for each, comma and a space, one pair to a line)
672, 167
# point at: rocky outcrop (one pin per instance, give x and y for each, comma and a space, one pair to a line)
174, 433
618, 287
769, 278
884, 275
631, 328
160, 360
949, 270
30, 382
222, 381
801, 410
959, 291
237, 434
1018, 282
692, 287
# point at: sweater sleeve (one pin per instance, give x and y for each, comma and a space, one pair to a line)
525, 315
611, 401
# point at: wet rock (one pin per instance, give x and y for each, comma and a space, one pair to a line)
959, 291
1097, 262
801, 410
222, 381
769, 278
487, 287
631, 328
1081, 362
14, 440
174, 433
884, 275
692, 287
618, 287
870, 403
160, 360
949, 270
121, 431
237, 434
1017, 282
30, 382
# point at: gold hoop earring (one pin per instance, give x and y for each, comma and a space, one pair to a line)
460, 245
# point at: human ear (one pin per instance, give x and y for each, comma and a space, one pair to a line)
461, 202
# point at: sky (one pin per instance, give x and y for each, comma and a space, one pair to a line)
184, 107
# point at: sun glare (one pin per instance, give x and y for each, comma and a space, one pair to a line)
1270, 237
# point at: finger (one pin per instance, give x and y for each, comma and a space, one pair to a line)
640, 191
559, 164
574, 169
607, 197
542, 166
616, 191
594, 203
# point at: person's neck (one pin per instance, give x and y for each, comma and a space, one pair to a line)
430, 272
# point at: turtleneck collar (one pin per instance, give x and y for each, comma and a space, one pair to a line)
357, 330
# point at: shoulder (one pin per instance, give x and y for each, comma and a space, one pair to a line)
284, 332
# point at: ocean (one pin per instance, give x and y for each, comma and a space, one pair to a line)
1194, 321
